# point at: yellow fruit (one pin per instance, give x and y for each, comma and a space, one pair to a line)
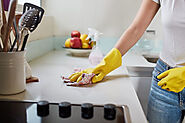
67, 43
83, 38
85, 45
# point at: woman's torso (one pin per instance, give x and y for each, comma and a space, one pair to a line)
173, 23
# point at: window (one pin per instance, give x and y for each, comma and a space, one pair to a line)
36, 2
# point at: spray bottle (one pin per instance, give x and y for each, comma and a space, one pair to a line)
96, 55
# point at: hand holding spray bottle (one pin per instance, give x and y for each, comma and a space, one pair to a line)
96, 55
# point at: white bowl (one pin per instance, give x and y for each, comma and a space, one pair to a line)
78, 52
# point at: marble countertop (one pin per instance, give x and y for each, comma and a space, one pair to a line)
116, 87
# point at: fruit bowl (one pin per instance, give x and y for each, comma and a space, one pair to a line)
78, 51
78, 44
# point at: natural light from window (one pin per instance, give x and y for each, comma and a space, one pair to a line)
36, 2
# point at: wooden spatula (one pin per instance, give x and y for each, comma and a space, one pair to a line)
11, 16
4, 21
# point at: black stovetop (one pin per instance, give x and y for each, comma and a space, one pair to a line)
45, 112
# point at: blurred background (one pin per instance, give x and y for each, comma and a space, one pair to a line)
110, 17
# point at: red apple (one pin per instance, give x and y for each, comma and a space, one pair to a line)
75, 34
75, 42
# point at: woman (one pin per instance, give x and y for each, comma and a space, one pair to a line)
167, 97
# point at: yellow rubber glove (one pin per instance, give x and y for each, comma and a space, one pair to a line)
173, 79
110, 62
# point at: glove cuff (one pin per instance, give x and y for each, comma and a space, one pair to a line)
110, 62
115, 58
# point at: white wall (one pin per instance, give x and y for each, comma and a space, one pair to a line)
111, 17
44, 30
36, 2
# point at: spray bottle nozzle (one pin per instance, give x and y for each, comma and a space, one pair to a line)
93, 33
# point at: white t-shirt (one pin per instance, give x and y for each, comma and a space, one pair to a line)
173, 23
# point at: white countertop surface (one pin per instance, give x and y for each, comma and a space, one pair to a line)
136, 60
116, 88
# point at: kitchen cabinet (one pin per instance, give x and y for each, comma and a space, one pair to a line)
140, 72
142, 88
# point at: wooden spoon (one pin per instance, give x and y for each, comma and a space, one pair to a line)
4, 21
9, 25
3, 13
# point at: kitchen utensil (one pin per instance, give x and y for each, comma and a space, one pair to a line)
1, 48
4, 21
3, 13
20, 27
28, 6
1, 24
27, 22
9, 25
29, 19
16, 35
37, 20
24, 42
3, 32
17, 18
19, 31
31, 25
10, 40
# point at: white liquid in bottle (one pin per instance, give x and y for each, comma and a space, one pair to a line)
95, 56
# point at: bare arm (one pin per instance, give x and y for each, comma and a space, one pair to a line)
143, 18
